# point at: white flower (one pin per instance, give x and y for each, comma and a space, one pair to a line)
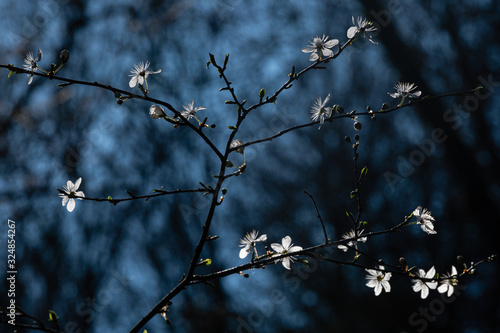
190, 111
320, 110
31, 63
248, 243
156, 112
71, 189
404, 89
425, 220
287, 247
353, 242
140, 73
448, 283
320, 47
362, 27
378, 280
424, 286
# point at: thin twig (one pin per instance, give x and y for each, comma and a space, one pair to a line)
319, 216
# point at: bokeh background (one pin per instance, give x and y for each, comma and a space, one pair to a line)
102, 267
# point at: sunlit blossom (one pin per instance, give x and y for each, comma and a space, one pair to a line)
425, 220
423, 286
320, 48
320, 111
449, 282
405, 89
378, 280
71, 189
363, 27
284, 248
354, 241
249, 241
31, 64
140, 73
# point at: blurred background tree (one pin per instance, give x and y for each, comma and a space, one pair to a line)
103, 267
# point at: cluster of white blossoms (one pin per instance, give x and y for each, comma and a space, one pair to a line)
248, 244
320, 47
425, 281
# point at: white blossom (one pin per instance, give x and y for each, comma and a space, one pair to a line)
190, 111
71, 189
156, 112
320, 47
449, 282
31, 63
140, 73
284, 248
404, 89
363, 27
423, 285
248, 243
320, 111
378, 280
425, 220
351, 235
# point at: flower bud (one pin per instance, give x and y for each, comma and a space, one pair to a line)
403, 261
156, 112
357, 126
64, 55
385, 106
235, 144
356, 137
460, 260
347, 139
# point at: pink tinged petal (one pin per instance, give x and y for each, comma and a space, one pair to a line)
71, 205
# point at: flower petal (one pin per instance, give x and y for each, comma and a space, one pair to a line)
71, 205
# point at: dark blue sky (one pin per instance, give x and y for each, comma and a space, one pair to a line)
51, 134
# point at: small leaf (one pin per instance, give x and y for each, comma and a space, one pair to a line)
354, 193
53, 316
364, 171
262, 93
208, 63
212, 59
349, 214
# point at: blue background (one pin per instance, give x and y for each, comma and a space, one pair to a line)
102, 267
